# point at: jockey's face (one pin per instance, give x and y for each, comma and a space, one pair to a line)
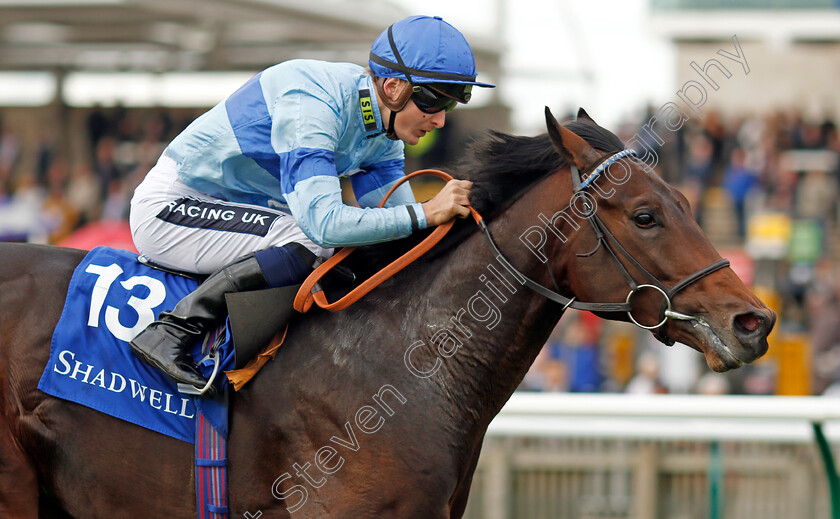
412, 123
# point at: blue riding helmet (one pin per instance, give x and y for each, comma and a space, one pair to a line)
424, 49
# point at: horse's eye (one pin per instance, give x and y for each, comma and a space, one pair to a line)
644, 220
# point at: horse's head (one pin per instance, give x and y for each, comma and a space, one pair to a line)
640, 231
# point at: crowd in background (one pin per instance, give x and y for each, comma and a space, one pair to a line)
734, 172
47, 190
779, 162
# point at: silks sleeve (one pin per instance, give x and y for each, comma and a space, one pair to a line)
313, 192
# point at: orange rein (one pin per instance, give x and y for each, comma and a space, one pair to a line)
308, 293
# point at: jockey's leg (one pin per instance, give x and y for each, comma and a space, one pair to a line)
165, 343
181, 228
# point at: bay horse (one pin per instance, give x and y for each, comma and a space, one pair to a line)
379, 411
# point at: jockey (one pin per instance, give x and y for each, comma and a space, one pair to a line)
249, 192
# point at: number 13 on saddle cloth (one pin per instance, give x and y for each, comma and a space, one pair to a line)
111, 298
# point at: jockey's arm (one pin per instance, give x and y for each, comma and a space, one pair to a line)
318, 209
372, 185
313, 191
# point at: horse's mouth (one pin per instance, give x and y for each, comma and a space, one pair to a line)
719, 356
728, 340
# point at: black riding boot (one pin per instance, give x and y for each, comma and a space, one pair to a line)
164, 343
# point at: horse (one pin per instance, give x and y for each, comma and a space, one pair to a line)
379, 411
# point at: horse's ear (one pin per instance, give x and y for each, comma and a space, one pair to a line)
568, 144
583, 115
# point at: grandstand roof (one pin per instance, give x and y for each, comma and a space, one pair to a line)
165, 35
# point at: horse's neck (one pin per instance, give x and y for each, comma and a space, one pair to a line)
497, 324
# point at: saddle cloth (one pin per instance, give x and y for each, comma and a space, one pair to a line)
112, 297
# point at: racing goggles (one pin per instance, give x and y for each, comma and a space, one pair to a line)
443, 96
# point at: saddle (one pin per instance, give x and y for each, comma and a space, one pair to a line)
259, 318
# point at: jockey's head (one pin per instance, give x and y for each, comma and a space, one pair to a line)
432, 61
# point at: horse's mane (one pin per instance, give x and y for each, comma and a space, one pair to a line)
502, 167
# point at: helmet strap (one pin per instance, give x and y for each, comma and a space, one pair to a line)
398, 102
391, 131
393, 103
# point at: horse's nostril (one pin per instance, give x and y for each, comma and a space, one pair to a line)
748, 322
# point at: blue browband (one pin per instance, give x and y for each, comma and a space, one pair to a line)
603, 166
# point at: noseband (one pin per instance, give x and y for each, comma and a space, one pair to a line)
611, 244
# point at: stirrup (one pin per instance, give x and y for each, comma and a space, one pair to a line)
211, 355
189, 389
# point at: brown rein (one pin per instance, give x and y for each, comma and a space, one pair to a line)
310, 292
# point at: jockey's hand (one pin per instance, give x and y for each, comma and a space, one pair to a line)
451, 201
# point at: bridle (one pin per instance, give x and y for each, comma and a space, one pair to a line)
311, 292
610, 243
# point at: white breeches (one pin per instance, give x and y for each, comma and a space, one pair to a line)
181, 228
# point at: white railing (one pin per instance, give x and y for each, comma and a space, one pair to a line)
766, 418
808, 408
564, 455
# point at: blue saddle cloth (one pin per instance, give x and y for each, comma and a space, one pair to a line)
111, 298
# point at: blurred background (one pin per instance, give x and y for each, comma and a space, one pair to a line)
91, 91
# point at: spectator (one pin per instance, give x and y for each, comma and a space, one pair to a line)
739, 181
546, 374
697, 172
9, 155
646, 380
712, 383
99, 125
105, 164
816, 197
84, 193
